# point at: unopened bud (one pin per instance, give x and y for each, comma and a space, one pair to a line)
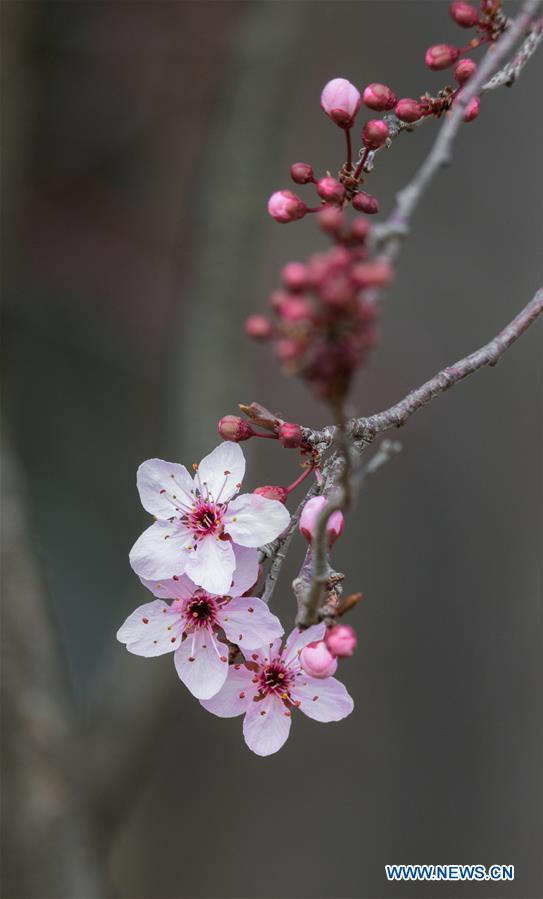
331, 190
296, 308
330, 219
364, 202
258, 327
288, 349
341, 640
408, 110
441, 56
302, 173
373, 274
464, 14
379, 97
360, 229
294, 275
309, 518
472, 109
464, 69
284, 206
234, 428
341, 101
272, 492
290, 435
317, 660
374, 134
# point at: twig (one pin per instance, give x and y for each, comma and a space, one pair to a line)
389, 234
367, 429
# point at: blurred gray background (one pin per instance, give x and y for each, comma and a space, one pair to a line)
141, 141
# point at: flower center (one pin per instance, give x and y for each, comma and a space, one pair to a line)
275, 678
205, 519
201, 610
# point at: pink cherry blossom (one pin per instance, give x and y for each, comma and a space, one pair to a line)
270, 684
341, 101
199, 521
188, 627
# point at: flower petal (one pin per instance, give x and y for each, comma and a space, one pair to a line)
221, 472
152, 629
298, 638
322, 699
178, 587
246, 573
211, 564
253, 520
165, 488
266, 725
235, 694
248, 622
202, 663
161, 551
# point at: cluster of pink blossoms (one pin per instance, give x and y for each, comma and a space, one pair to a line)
200, 559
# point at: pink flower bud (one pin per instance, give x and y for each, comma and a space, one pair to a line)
373, 274
288, 349
364, 202
441, 56
330, 219
234, 428
341, 640
302, 173
331, 190
310, 515
294, 275
317, 660
360, 230
277, 299
258, 327
464, 14
297, 308
408, 110
464, 69
379, 97
374, 134
284, 206
290, 435
272, 492
341, 101
472, 109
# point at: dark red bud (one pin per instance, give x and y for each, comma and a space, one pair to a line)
235, 429
441, 56
373, 274
379, 97
464, 69
464, 14
408, 110
302, 173
290, 435
374, 134
331, 190
272, 492
364, 202
330, 219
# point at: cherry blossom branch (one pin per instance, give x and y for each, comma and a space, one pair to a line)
388, 235
365, 430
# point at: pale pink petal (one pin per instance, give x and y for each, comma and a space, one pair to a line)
248, 622
266, 725
178, 587
221, 472
246, 573
161, 551
202, 663
323, 700
253, 520
263, 654
152, 630
211, 564
235, 694
164, 488
298, 638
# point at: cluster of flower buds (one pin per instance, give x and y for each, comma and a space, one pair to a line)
320, 659
325, 311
